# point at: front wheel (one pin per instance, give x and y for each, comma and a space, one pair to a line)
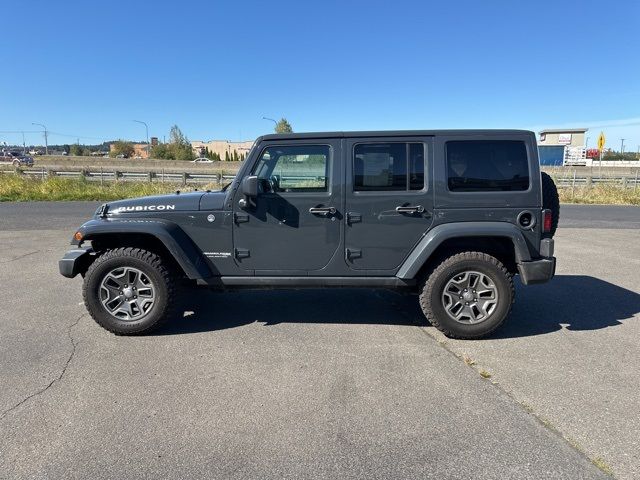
129, 291
468, 295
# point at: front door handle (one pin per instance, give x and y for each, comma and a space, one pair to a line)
416, 209
326, 211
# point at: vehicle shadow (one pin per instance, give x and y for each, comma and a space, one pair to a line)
575, 302
204, 310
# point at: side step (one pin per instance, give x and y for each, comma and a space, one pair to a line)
307, 282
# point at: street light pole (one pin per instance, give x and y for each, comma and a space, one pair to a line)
46, 144
271, 119
146, 127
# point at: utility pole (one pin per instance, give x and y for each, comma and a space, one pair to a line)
146, 127
46, 143
622, 145
586, 144
24, 145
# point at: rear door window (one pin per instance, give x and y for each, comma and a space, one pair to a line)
388, 166
487, 166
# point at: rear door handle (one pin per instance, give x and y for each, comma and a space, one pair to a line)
416, 209
326, 211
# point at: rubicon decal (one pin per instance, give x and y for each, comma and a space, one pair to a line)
144, 208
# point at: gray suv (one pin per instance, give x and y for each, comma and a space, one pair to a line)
451, 216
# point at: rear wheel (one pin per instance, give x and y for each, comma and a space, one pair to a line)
129, 291
468, 295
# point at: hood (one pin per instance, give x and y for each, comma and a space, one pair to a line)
158, 203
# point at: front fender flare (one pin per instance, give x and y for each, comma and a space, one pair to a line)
175, 240
425, 248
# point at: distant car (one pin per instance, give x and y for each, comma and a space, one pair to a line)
17, 159
202, 160
121, 155
35, 152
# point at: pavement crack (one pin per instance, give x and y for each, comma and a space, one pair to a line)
20, 256
62, 373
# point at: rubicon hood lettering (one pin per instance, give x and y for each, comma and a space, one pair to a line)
144, 208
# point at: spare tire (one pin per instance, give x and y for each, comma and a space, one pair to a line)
550, 201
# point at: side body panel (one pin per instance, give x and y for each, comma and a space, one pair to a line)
277, 234
377, 236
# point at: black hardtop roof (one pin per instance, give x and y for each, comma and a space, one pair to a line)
390, 133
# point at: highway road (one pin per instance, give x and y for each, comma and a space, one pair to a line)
322, 384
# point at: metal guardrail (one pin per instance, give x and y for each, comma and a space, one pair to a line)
571, 181
562, 180
124, 176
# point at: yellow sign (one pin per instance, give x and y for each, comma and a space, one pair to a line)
601, 140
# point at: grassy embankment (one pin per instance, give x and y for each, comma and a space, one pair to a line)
600, 194
17, 188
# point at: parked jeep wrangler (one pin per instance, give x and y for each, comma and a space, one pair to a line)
449, 215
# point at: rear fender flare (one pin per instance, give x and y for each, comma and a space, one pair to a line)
434, 238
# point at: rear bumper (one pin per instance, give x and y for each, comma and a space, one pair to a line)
75, 261
537, 271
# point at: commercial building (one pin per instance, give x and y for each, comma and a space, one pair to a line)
562, 146
221, 147
140, 150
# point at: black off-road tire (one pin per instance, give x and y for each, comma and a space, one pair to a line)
162, 276
550, 201
431, 295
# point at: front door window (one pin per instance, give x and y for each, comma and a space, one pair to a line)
286, 169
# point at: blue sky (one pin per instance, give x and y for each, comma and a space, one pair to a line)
87, 69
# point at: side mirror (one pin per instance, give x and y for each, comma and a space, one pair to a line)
250, 186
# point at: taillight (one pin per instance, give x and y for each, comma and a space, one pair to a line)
547, 221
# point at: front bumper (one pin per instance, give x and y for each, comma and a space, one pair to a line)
537, 271
75, 261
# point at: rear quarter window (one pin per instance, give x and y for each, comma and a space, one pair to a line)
487, 166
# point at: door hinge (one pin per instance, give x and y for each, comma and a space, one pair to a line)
242, 253
353, 253
240, 217
354, 217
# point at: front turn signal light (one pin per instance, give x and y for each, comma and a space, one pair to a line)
77, 236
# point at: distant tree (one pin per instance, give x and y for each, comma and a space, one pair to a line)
176, 136
121, 147
178, 148
76, 150
226, 155
283, 126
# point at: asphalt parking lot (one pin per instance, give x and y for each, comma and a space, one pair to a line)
322, 384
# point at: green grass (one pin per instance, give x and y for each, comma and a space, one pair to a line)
601, 194
21, 189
